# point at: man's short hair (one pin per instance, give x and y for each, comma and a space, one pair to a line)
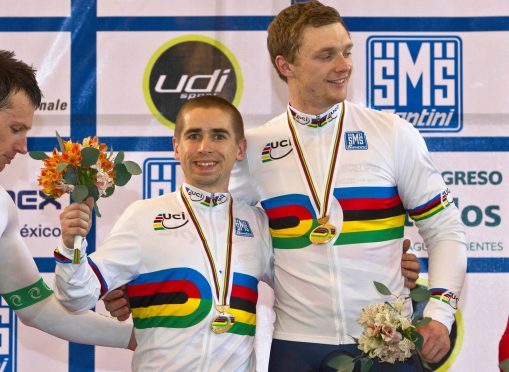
286, 29
15, 76
211, 102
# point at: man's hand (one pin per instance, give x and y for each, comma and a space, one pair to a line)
132, 342
436, 341
410, 266
76, 219
117, 303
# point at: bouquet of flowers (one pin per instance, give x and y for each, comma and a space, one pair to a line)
389, 335
83, 169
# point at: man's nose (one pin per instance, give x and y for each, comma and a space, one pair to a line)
21, 145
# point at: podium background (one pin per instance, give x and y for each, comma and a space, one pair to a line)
91, 57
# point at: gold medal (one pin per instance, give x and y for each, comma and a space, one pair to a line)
322, 234
224, 321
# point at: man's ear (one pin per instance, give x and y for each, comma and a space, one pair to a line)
283, 66
176, 149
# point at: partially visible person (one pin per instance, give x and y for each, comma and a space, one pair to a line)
191, 259
503, 347
21, 285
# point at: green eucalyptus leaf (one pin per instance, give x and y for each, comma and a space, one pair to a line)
342, 363
366, 364
421, 322
419, 340
89, 156
96, 210
382, 289
60, 142
504, 366
61, 167
71, 176
420, 294
109, 191
38, 155
93, 191
79, 193
122, 176
132, 167
119, 158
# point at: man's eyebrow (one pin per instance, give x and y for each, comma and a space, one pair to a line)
220, 130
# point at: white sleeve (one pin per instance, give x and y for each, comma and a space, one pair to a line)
268, 251
84, 328
242, 186
18, 271
115, 263
430, 204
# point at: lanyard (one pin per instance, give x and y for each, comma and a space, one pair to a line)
221, 300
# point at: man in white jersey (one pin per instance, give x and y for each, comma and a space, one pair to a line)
336, 200
192, 259
21, 284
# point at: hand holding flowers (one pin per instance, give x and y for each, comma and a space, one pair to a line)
84, 170
389, 334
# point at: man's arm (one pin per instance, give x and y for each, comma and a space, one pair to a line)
115, 263
429, 204
33, 301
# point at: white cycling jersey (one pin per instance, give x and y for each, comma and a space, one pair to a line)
383, 170
156, 249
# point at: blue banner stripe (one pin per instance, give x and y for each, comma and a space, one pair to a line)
205, 23
435, 144
257, 23
475, 264
479, 265
32, 24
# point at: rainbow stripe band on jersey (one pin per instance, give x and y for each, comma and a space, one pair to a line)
445, 296
430, 208
370, 214
27, 296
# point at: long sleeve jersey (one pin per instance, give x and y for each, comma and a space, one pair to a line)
155, 248
382, 172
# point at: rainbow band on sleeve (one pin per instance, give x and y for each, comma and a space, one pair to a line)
95, 269
445, 296
430, 208
59, 257
28, 296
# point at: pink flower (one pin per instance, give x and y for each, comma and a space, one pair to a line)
389, 333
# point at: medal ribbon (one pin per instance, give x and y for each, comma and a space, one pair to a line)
321, 207
208, 252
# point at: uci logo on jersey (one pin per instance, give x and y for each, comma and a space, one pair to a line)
276, 150
169, 221
356, 141
195, 195
418, 78
242, 228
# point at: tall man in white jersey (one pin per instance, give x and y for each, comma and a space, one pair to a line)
192, 259
336, 202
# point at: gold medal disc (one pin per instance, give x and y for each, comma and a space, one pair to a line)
224, 321
322, 234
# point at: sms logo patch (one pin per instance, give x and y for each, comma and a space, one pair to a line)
418, 78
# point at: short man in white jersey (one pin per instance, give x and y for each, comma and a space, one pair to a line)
336, 200
192, 259
21, 284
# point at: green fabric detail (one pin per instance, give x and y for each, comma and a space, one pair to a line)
28, 296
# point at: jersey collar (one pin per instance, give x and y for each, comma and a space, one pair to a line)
198, 196
314, 121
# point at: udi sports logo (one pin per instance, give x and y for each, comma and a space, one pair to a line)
188, 67
8, 333
418, 78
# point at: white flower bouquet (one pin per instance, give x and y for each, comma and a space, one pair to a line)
389, 334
